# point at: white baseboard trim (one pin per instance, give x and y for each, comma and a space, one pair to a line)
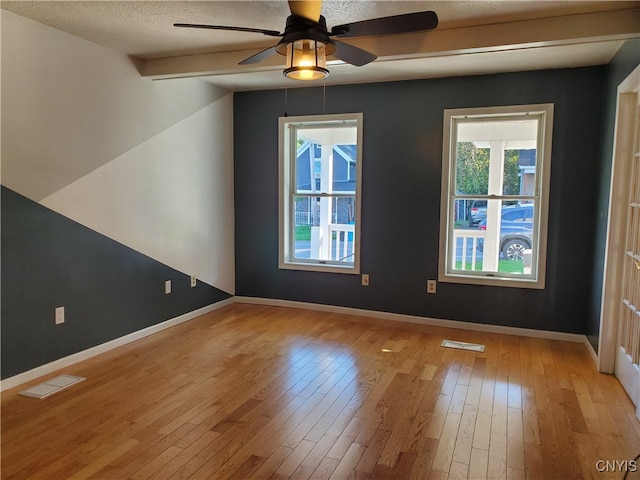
64, 362
436, 322
590, 349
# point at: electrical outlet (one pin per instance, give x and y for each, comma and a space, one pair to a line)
59, 315
431, 286
194, 281
365, 279
167, 287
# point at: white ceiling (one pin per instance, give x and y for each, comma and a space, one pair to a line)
473, 37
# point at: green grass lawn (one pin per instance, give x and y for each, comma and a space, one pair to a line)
504, 266
303, 232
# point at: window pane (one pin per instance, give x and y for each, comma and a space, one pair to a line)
472, 169
326, 159
520, 172
325, 228
501, 242
496, 156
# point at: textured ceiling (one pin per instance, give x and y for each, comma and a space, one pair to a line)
144, 29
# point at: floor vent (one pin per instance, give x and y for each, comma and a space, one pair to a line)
474, 347
51, 386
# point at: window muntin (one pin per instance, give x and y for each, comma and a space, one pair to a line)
495, 195
320, 164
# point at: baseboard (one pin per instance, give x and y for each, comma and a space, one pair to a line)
49, 368
436, 322
591, 351
64, 362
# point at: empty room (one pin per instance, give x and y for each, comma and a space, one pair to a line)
320, 240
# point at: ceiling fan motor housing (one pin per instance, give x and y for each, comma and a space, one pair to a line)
299, 28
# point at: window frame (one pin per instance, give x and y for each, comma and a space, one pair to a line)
536, 280
286, 189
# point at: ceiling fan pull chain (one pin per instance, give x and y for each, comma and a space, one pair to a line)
286, 97
324, 96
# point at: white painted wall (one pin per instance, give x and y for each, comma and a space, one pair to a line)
148, 164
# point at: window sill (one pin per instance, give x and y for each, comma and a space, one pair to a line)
493, 281
320, 267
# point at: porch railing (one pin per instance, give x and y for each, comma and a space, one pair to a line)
467, 239
343, 242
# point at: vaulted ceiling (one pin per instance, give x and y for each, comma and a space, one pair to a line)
473, 37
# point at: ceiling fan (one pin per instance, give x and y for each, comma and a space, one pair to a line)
306, 41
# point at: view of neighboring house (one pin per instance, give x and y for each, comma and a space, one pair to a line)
527, 166
308, 178
321, 217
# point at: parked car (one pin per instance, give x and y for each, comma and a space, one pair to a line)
516, 231
478, 212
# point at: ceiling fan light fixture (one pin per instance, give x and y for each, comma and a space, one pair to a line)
306, 60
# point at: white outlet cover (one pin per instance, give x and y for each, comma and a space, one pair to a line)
59, 315
167, 286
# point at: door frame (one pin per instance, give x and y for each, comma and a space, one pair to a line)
625, 126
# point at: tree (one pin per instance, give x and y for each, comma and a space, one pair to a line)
511, 175
472, 170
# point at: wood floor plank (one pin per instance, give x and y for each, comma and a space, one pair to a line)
438, 417
248, 468
446, 444
187, 454
482, 431
530, 427
534, 461
497, 456
373, 452
478, 464
464, 440
295, 458
393, 449
421, 417
251, 391
319, 451
458, 471
267, 468
104, 459
515, 440
325, 469
424, 457
348, 462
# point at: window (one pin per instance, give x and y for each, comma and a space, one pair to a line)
320, 170
495, 186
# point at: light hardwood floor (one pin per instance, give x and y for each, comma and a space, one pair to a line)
256, 392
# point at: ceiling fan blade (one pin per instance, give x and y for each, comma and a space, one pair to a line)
409, 22
309, 9
353, 55
271, 33
258, 57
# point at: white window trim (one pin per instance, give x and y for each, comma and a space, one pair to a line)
285, 180
545, 134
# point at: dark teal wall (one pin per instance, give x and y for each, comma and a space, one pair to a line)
627, 58
401, 197
108, 290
